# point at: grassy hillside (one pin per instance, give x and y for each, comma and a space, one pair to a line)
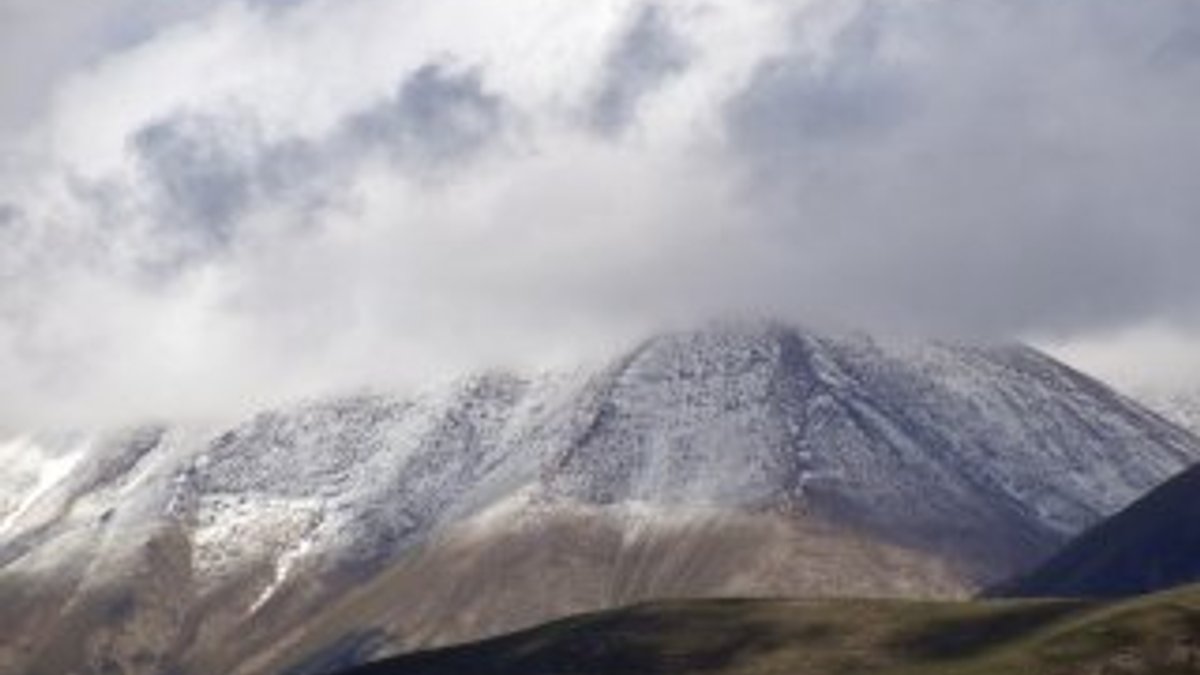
1157, 635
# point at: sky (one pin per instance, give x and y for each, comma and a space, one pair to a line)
208, 206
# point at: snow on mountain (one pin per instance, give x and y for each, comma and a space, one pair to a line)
960, 464
996, 450
30, 474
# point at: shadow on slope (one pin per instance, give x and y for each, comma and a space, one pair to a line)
1152, 545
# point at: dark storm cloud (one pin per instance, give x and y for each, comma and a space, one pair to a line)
437, 115
10, 222
795, 104
203, 184
9, 214
648, 54
208, 174
1182, 47
990, 167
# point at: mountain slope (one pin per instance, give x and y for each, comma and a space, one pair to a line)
1152, 545
747, 459
1151, 636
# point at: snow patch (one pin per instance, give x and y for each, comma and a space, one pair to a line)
233, 531
51, 470
283, 568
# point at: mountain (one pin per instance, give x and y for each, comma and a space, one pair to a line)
737, 460
1147, 636
1152, 545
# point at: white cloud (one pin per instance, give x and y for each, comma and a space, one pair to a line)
1150, 358
254, 201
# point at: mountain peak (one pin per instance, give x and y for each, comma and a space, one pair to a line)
741, 458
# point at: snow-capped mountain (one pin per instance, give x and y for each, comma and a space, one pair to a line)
746, 459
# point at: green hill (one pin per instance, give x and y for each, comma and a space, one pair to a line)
1157, 635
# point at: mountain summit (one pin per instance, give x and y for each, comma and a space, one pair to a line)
741, 459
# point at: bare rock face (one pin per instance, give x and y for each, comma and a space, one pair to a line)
740, 460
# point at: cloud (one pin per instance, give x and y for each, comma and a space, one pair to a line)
797, 102
436, 116
202, 184
40, 43
1145, 359
648, 54
989, 167
201, 181
243, 203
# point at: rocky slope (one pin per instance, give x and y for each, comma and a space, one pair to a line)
748, 459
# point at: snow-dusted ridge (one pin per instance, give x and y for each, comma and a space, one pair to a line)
749, 416
41, 474
981, 459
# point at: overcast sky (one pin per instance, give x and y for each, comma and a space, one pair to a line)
210, 205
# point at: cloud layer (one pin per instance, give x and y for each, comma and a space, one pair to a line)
226, 205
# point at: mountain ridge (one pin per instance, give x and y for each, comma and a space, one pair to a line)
819, 455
